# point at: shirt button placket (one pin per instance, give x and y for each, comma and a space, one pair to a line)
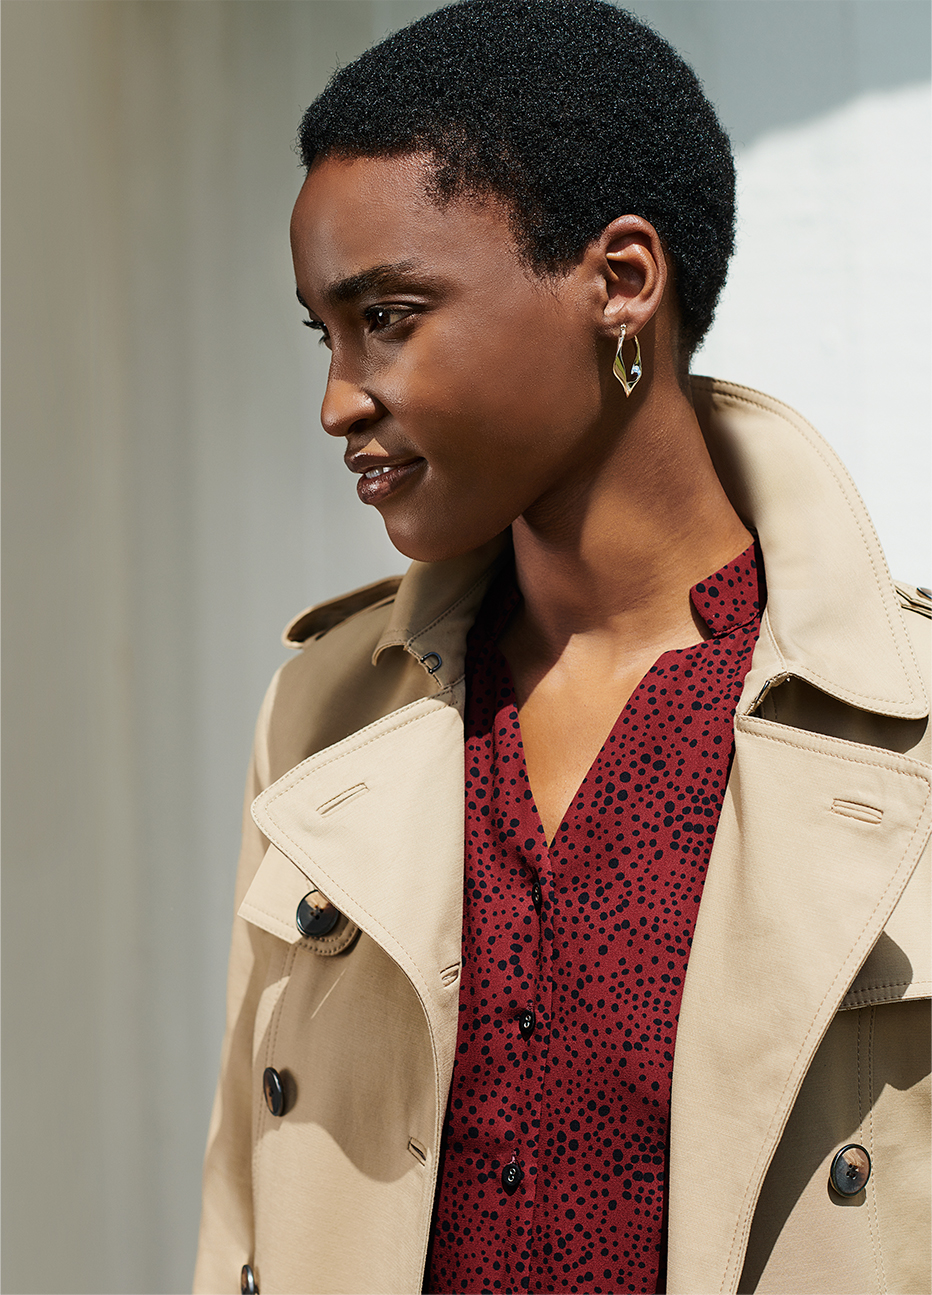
544, 888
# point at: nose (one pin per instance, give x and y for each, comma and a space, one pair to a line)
347, 408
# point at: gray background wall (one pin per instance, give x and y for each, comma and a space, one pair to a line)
169, 501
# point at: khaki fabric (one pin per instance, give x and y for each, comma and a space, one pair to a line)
804, 1023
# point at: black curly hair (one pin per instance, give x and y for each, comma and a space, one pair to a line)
572, 112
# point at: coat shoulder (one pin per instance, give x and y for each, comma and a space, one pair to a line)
314, 622
334, 685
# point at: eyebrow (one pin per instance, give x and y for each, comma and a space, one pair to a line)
378, 278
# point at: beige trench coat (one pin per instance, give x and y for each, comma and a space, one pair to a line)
804, 1024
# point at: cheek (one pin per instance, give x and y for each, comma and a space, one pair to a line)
513, 376
450, 394
542, 366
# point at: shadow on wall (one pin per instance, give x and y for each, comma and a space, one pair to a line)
818, 55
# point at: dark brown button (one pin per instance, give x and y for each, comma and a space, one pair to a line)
247, 1281
511, 1177
526, 1023
315, 916
273, 1091
851, 1169
537, 896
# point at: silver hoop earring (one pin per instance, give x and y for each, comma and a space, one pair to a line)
618, 368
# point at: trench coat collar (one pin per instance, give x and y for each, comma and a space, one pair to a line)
822, 559
435, 607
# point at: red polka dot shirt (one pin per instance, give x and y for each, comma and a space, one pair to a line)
553, 1164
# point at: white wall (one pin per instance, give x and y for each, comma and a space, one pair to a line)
169, 501
827, 303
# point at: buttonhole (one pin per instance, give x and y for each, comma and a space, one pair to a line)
854, 809
336, 801
450, 974
418, 1151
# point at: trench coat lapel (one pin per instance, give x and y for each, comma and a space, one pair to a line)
376, 822
816, 842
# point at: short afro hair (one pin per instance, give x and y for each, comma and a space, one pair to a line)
572, 112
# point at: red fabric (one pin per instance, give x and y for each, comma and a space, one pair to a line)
582, 1105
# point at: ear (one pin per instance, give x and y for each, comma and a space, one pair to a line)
633, 270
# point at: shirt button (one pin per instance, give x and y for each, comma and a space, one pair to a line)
316, 919
526, 1022
850, 1170
537, 896
247, 1281
273, 1092
511, 1177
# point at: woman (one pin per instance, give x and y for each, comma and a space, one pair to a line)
652, 613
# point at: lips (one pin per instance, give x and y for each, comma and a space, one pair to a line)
378, 480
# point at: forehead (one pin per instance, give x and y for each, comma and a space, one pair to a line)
354, 213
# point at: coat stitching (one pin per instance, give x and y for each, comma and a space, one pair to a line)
341, 756
876, 1243
448, 611
921, 770
864, 1120
893, 984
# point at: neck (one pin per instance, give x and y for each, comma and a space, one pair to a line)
613, 555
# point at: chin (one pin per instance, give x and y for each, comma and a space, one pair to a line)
440, 544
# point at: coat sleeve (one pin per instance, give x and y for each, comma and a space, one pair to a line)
226, 1234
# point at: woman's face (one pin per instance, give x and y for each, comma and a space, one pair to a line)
468, 390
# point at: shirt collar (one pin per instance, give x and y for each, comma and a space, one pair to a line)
734, 595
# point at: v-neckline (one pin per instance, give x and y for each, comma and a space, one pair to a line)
505, 669
709, 601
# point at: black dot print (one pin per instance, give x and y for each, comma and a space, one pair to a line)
553, 1164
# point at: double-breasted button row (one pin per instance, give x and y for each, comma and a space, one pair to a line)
850, 1170
247, 1281
316, 915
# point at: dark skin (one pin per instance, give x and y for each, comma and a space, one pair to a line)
479, 395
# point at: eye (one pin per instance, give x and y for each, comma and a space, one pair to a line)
318, 327
381, 318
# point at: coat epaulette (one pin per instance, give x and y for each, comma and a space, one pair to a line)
315, 621
914, 598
